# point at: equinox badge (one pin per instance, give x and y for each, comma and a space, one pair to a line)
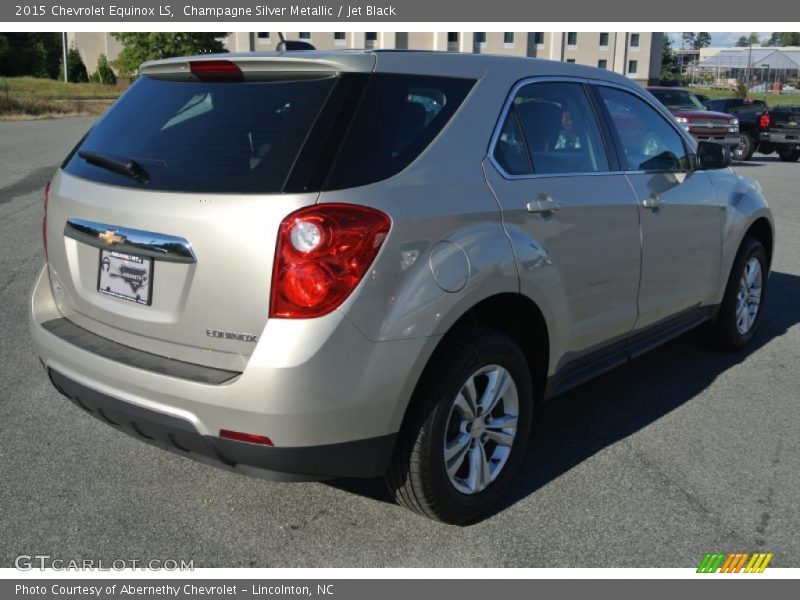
231, 335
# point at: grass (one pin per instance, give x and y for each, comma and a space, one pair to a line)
23, 98
772, 99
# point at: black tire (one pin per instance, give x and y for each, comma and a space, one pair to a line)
726, 335
417, 476
744, 150
789, 154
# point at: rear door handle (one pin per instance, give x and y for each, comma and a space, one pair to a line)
544, 204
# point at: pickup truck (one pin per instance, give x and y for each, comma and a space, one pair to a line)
780, 129
763, 129
749, 113
702, 124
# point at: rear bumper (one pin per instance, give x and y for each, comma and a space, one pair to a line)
772, 137
726, 139
329, 398
362, 458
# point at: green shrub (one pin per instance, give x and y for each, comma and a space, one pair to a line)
76, 69
104, 74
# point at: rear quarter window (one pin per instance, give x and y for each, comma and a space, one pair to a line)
397, 118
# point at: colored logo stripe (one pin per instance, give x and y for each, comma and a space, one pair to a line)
734, 562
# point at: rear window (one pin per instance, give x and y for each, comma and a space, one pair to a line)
206, 136
333, 131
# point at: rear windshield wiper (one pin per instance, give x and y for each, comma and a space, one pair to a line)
118, 164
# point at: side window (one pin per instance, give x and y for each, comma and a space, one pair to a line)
510, 151
648, 141
555, 123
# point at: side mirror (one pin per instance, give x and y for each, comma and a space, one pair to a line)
713, 156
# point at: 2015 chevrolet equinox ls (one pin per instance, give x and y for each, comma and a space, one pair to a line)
309, 265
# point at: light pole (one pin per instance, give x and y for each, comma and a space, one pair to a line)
766, 82
64, 49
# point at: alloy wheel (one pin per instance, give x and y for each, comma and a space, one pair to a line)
481, 429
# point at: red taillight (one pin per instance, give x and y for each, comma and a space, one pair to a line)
44, 218
322, 254
245, 437
216, 70
763, 121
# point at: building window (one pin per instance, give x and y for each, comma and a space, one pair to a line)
634, 40
570, 60
604, 40
452, 37
602, 63
263, 35
339, 37
633, 65
372, 36
538, 38
305, 35
480, 38
572, 38
508, 38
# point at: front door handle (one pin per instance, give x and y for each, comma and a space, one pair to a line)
544, 204
654, 201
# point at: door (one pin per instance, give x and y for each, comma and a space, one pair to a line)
681, 216
560, 191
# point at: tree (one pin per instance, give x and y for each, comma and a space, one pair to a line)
702, 40
36, 54
742, 42
76, 69
688, 39
784, 38
104, 74
140, 47
667, 61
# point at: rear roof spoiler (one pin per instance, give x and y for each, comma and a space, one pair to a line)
306, 61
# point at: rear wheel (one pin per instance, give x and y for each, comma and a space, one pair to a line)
742, 304
789, 154
466, 430
744, 149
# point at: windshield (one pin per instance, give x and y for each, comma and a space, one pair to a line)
678, 99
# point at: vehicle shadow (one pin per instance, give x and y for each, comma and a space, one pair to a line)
757, 161
574, 426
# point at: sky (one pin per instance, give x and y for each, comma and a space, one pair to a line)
724, 39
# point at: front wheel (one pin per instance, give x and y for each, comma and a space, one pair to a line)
789, 154
744, 149
466, 429
742, 305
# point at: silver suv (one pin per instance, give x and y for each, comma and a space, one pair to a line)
309, 265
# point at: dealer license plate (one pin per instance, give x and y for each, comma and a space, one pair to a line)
126, 276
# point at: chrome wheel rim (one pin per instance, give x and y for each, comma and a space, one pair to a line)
748, 297
481, 428
741, 147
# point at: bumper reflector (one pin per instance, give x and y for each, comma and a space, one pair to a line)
245, 437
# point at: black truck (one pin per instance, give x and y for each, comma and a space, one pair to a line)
763, 129
781, 131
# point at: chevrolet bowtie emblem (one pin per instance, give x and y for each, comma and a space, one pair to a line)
110, 237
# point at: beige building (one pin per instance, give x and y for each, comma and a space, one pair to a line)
637, 55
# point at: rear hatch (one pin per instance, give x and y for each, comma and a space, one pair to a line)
162, 223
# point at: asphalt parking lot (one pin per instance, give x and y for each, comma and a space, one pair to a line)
681, 452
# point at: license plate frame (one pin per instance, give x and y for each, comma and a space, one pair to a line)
122, 275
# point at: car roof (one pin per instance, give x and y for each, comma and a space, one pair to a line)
456, 64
